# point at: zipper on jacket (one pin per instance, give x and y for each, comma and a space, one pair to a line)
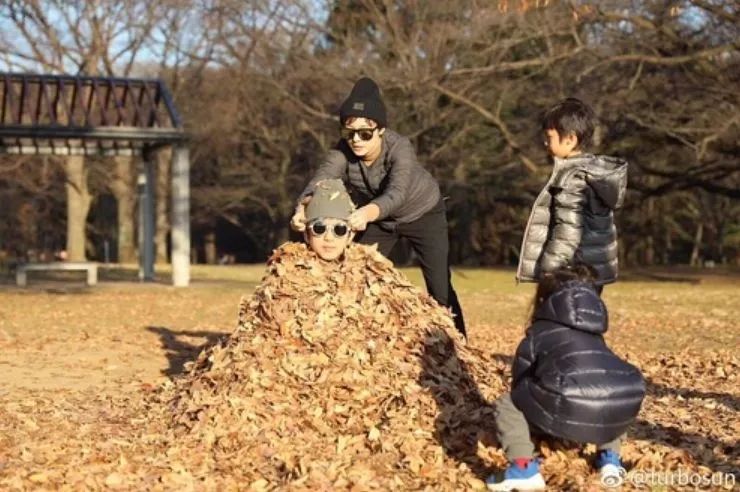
556, 168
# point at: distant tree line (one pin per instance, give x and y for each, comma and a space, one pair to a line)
258, 83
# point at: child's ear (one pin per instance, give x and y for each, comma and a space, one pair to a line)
571, 140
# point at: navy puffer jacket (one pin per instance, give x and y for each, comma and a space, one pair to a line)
566, 381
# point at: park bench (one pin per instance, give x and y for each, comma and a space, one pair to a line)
91, 269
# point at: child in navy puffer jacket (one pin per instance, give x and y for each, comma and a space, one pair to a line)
566, 382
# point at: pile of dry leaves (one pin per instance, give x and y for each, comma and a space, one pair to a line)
339, 375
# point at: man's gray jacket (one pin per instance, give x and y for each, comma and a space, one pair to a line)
402, 188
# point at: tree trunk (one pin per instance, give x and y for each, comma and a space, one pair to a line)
28, 222
283, 234
164, 160
78, 205
668, 247
697, 245
210, 248
649, 257
649, 251
122, 188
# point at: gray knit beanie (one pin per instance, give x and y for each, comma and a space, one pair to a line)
330, 200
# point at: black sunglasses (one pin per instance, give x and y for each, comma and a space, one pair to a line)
318, 228
364, 133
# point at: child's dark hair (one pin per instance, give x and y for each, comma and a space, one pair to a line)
551, 282
571, 116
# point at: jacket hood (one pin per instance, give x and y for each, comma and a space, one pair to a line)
576, 305
607, 176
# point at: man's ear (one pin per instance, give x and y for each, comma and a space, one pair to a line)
381, 131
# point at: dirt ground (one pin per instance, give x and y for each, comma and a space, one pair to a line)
61, 341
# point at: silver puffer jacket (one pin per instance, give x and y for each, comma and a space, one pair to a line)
573, 218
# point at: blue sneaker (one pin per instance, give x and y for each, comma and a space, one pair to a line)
610, 468
518, 478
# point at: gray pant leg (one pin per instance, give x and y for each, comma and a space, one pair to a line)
613, 445
512, 429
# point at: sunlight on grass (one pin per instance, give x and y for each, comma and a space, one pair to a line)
464, 279
240, 273
491, 297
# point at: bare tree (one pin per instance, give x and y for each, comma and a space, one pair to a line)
164, 160
259, 83
121, 184
103, 37
32, 196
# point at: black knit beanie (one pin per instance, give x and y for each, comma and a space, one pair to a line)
364, 102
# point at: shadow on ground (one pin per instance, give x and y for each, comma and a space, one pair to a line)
180, 350
464, 416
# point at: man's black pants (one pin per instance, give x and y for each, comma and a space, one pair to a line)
428, 237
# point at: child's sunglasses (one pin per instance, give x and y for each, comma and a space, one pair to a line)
364, 133
318, 228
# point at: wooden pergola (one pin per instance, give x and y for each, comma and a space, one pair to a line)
105, 116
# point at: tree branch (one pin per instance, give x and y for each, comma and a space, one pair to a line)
493, 118
659, 60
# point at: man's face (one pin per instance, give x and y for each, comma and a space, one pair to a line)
356, 130
328, 237
560, 146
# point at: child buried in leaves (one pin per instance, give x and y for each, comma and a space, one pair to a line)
322, 385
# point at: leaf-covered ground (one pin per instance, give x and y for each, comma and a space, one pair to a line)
388, 398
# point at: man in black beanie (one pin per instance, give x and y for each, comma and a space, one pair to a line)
396, 197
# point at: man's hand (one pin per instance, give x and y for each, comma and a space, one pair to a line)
357, 220
360, 217
298, 221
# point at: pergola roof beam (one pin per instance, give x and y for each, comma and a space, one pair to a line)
88, 108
